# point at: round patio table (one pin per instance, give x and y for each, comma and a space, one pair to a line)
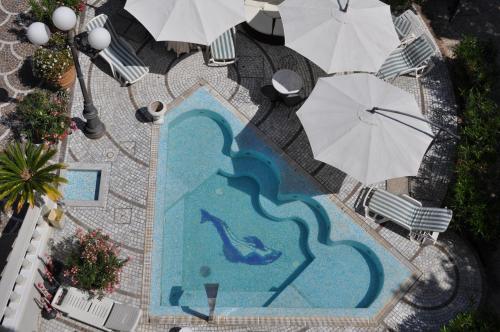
286, 81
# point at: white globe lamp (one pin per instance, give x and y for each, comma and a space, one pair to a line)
38, 33
64, 18
99, 38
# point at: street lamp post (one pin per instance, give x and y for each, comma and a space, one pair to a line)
211, 290
64, 19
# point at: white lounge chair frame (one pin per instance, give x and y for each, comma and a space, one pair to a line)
415, 235
94, 312
416, 26
221, 62
419, 70
122, 42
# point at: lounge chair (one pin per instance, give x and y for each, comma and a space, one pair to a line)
422, 222
104, 314
414, 58
408, 26
222, 50
121, 57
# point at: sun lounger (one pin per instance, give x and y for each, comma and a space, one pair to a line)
413, 58
422, 222
104, 314
408, 26
121, 57
222, 50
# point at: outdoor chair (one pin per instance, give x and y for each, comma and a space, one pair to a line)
408, 26
121, 57
413, 58
105, 314
222, 50
422, 222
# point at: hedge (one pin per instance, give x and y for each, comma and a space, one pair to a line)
473, 321
474, 194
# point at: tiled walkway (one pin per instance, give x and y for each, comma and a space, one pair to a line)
451, 280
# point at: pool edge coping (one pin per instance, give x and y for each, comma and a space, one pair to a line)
230, 320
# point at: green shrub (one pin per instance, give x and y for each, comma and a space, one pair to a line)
398, 6
43, 117
474, 64
475, 192
93, 264
42, 9
473, 321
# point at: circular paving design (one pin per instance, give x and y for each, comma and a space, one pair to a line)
224, 78
16, 77
437, 286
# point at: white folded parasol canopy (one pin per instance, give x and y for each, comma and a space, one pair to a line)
192, 21
340, 35
365, 127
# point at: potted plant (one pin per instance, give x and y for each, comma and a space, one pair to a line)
93, 264
44, 118
25, 175
54, 63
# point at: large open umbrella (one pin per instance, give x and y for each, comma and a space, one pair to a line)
340, 35
365, 127
192, 21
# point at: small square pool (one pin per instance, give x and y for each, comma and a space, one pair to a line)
83, 185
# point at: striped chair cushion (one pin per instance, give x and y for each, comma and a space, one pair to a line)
402, 25
123, 60
407, 59
223, 47
395, 64
392, 207
431, 219
408, 215
420, 50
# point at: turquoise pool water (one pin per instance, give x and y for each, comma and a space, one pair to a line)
231, 210
83, 185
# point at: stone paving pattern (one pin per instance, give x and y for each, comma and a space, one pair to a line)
16, 77
451, 279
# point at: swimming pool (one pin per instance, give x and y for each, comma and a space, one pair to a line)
231, 209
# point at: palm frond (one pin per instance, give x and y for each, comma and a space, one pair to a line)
24, 173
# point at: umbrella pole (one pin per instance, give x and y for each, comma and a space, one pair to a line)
343, 9
441, 128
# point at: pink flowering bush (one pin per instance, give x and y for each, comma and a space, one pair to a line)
93, 265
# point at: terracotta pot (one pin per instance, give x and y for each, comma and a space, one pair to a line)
68, 78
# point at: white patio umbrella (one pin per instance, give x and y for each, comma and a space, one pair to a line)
340, 35
365, 127
192, 21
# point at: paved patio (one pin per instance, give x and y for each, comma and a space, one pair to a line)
451, 280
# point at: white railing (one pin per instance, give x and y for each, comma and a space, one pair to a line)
20, 270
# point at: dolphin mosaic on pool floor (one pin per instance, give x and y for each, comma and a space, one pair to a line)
450, 280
